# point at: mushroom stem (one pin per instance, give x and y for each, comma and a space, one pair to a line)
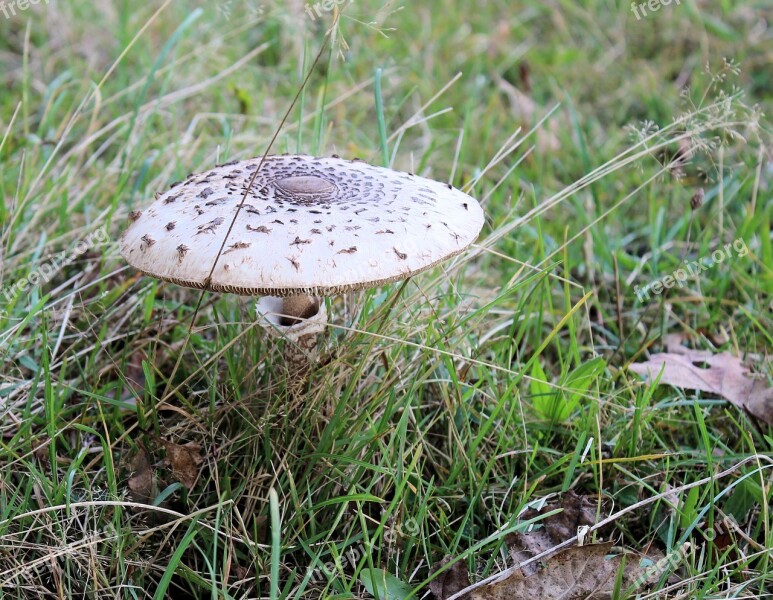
299, 320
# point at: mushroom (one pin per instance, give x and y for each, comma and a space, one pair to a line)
308, 228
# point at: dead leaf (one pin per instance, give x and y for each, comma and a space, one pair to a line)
577, 511
184, 461
40, 451
135, 378
240, 573
577, 573
450, 581
261, 529
722, 374
141, 481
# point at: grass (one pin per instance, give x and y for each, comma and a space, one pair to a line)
442, 407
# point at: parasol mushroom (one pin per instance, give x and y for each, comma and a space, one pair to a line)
307, 228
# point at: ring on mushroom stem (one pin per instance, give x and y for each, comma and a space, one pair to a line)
279, 314
300, 333
307, 228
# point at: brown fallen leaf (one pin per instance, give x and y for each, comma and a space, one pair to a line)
577, 573
451, 581
577, 511
142, 479
722, 374
135, 378
40, 452
586, 571
184, 461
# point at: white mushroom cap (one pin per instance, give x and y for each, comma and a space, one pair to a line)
316, 226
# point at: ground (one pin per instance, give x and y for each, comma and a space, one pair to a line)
152, 446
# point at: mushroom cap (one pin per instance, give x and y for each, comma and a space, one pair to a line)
316, 226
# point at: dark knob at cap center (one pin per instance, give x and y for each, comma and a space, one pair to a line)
305, 185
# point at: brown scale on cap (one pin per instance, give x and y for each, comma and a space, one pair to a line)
211, 226
147, 242
172, 198
237, 246
299, 202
